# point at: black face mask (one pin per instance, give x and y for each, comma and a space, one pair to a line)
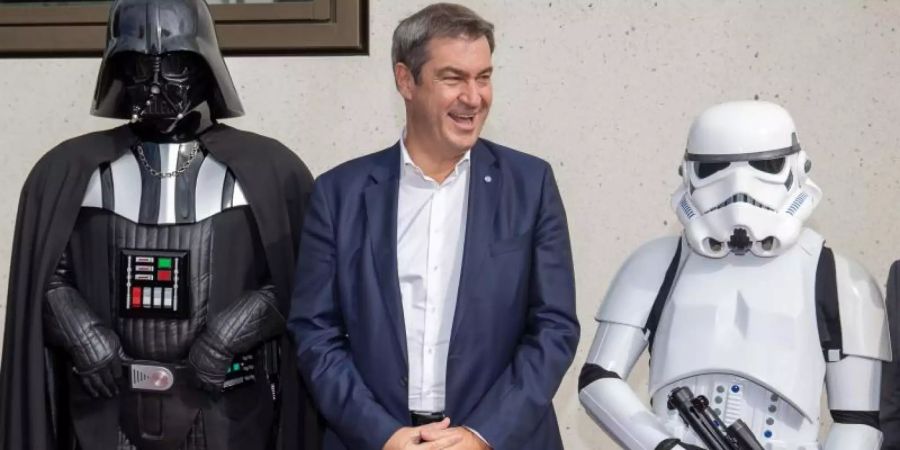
163, 89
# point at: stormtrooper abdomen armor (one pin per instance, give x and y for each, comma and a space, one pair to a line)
755, 352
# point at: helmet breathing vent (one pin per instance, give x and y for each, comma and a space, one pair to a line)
740, 198
686, 208
797, 203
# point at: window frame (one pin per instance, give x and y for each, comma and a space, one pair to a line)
286, 28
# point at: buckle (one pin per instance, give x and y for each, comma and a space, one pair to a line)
420, 418
145, 377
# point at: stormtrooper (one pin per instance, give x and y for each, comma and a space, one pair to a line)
747, 308
152, 262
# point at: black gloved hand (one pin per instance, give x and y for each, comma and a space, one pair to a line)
210, 361
670, 444
103, 379
93, 347
245, 324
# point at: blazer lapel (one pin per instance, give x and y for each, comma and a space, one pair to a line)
484, 192
381, 217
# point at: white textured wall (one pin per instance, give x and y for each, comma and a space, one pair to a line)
605, 90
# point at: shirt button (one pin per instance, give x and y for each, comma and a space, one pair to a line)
403, 381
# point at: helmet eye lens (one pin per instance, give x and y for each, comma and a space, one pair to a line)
179, 66
769, 165
137, 68
175, 66
705, 169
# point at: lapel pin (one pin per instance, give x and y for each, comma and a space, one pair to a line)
487, 179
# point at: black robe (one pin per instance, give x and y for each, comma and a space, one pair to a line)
890, 374
276, 184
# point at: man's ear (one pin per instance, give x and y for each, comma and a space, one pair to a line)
405, 81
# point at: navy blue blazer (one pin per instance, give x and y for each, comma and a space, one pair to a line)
514, 332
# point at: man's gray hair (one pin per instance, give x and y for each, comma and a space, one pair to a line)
440, 20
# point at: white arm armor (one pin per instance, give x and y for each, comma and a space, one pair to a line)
853, 383
618, 344
609, 400
853, 386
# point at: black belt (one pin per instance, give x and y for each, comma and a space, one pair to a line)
161, 406
420, 418
153, 376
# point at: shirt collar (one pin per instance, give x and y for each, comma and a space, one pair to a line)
408, 164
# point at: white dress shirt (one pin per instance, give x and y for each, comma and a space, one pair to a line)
431, 231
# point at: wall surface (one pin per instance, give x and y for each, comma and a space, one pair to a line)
604, 90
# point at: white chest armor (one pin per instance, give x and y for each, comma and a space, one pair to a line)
724, 331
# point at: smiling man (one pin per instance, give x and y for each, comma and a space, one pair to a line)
436, 305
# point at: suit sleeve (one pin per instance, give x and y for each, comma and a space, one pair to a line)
522, 395
317, 325
890, 376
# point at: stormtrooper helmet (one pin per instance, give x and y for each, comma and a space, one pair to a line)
745, 185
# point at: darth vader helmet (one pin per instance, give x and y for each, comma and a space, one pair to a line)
162, 60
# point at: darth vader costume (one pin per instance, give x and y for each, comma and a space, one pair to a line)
152, 262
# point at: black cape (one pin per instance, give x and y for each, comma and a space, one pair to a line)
276, 185
890, 374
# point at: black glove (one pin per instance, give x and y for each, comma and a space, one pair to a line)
94, 348
103, 380
210, 360
673, 443
248, 322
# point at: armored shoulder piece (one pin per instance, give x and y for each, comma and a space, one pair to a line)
864, 326
640, 280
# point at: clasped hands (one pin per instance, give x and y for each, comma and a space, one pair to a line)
435, 436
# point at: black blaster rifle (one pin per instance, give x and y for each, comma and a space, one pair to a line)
697, 414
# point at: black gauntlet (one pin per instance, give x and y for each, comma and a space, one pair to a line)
672, 443
70, 323
248, 322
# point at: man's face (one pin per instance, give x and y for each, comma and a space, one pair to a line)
448, 105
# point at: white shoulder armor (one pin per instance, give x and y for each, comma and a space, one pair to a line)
631, 294
864, 326
93, 195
